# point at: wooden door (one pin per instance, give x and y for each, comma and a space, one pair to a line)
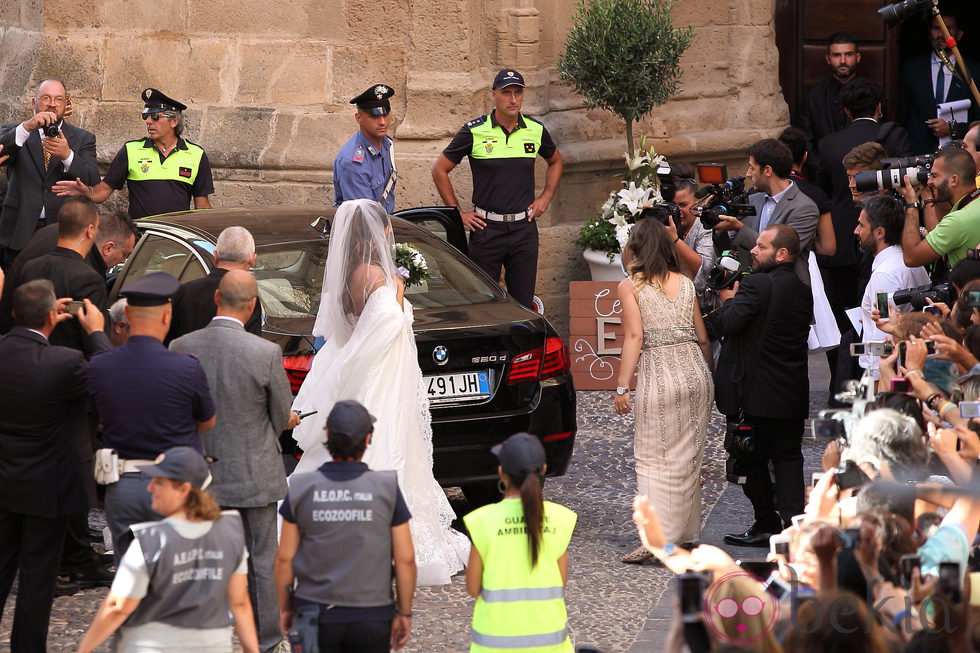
802, 30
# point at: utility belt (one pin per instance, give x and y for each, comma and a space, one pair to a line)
501, 217
109, 467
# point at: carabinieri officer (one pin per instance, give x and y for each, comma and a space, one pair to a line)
148, 400
502, 147
164, 171
365, 166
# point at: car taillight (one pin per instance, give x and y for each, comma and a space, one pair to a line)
556, 359
544, 363
556, 436
297, 367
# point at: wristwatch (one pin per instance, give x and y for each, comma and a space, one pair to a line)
669, 549
620, 390
913, 205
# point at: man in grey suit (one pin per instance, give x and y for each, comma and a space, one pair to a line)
36, 163
778, 201
251, 392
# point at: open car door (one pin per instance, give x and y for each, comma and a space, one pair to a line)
444, 221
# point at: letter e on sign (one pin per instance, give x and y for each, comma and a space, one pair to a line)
602, 336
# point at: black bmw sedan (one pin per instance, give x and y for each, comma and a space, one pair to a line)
492, 367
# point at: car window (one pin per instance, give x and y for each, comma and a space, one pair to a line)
159, 254
290, 278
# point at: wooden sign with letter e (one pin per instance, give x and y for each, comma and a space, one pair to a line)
595, 334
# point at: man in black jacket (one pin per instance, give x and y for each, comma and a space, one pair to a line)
194, 305
65, 267
761, 379
42, 420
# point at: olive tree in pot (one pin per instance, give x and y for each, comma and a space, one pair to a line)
623, 56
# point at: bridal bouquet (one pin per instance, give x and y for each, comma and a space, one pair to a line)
411, 264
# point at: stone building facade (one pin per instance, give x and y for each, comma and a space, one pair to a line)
268, 85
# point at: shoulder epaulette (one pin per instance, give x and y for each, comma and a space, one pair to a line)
187, 142
476, 121
532, 118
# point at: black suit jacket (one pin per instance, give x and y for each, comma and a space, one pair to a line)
42, 242
29, 188
762, 367
832, 178
194, 306
917, 100
44, 430
72, 277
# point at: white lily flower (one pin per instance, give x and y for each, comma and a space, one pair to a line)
623, 235
633, 199
638, 161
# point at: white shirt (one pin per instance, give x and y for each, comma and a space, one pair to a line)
888, 274
20, 137
227, 317
935, 63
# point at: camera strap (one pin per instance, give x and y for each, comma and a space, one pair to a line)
965, 201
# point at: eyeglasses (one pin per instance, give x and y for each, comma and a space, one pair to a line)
155, 115
47, 99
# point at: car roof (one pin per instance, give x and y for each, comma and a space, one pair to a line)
268, 225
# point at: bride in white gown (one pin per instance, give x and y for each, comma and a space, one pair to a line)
370, 356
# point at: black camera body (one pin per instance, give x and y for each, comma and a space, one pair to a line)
739, 441
51, 131
662, 213
728, 199
726, 271
940, 292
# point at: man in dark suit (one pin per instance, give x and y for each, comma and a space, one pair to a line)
822, 113
926, 82
65, 267
253, 401
194, 302
862, 103
42, 412
37, 163
761, 379
114, 242
779, 201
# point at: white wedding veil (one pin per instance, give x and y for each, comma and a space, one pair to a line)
361, 254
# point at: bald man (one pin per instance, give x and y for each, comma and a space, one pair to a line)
253, 401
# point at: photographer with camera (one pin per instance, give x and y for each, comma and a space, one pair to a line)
879, 233
779, 202
761, 382
43, 149
952, 179
692, 243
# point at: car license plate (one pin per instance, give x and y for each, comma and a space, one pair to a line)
464, 385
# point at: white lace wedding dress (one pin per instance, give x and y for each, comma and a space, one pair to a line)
378, 366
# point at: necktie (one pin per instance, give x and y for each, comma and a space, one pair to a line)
940, 85
47, 158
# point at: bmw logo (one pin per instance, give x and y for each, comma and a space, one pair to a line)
440, 355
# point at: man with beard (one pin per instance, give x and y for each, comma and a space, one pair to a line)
879, 232
953, 180
822, 113
761, 380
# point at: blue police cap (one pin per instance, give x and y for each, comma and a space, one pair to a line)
508, 77
375, 100
155, 100
154, 289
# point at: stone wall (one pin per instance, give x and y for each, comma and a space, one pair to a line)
268, 86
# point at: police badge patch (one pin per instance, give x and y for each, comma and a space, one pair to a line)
144, 165
529, 148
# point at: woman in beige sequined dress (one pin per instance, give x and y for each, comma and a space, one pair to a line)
674, 389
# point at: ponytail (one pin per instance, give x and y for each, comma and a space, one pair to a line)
201, 506
533, 505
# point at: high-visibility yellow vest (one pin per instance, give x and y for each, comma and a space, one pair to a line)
144, 163
520, 608
490, 141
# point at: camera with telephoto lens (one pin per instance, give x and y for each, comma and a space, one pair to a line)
51, 131
938, 293
667, 209
894, 14
726, 271
739, 441
892, 174
727, 199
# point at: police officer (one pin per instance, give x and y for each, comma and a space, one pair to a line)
502, 147
339, 523
164, 171
365, 166
148, 400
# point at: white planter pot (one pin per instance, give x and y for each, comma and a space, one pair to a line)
601, 268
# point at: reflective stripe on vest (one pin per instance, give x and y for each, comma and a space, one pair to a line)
523, 594
490, 142
520, 641
144, 163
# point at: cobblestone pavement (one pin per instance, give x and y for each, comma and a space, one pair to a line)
608, 602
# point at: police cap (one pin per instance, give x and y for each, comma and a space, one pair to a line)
154, 289
508, 77
154, 99
375, 100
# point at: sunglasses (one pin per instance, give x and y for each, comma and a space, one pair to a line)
154, 115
